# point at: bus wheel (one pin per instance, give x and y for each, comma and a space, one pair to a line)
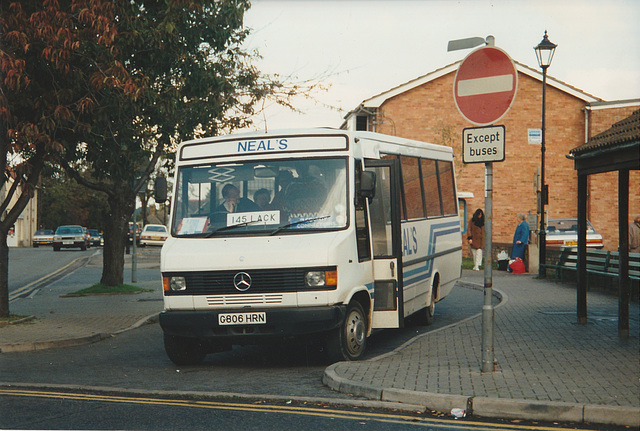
183, 351
348, 342
430, 310
425, 316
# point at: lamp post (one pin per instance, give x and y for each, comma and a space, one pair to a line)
544, 53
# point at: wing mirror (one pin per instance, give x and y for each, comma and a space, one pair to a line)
160, 190
367, 184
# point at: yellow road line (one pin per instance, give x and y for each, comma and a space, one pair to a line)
293, 409
26, 288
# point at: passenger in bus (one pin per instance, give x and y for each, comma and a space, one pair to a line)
283, 179
306, 194
233, 203
262, 198
476, 238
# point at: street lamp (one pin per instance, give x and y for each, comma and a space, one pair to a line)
544, 54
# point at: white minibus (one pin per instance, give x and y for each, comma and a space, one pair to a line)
318, 233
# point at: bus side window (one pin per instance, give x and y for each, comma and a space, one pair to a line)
447, 187
412, 188
430, 186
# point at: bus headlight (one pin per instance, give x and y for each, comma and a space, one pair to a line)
314, 278
321, 278
177, 283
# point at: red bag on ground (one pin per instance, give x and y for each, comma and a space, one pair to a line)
517, 266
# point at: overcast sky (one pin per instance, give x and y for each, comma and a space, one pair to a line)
364, 47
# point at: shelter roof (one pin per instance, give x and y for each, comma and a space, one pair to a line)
623, 133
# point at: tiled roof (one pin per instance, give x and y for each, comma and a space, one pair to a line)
622, 133
377, 100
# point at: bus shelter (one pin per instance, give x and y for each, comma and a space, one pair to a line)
615, 149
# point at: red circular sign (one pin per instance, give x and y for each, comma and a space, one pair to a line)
485, 85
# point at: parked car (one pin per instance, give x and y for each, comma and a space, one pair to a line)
43, 237
69, 236
131, 233
563, 232
153, 234
95, 237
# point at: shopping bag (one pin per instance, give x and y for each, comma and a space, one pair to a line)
503, 261
516, 266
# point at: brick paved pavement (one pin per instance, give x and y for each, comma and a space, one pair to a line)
545, 360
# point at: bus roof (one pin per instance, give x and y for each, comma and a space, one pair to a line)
360, 143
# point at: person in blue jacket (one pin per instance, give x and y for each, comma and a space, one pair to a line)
520, 238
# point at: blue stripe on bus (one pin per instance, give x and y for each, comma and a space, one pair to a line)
424, 272
370, 288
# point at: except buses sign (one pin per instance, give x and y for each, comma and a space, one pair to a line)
483, 144
485, 85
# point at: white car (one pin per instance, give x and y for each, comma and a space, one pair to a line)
43, 237
564, 233
153, 234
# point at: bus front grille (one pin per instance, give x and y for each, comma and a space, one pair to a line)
262, 282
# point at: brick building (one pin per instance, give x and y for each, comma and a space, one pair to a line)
424, 109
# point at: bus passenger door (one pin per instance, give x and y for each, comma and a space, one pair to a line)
384, 213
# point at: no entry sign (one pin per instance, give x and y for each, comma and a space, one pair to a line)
485, 85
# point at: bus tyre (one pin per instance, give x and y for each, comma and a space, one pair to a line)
348, 342
430, 311
183, 350
426, 315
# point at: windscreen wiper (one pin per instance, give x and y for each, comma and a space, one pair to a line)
295, 223
230, 227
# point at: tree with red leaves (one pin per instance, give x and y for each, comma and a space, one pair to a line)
38, 42
104, 88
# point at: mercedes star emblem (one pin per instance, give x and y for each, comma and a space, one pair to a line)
242, 281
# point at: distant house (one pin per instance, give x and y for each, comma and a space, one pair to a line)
424, 109
25, 227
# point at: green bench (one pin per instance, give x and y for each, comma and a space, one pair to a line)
634, 265
600, 262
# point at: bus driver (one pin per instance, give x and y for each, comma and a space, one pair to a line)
233, 203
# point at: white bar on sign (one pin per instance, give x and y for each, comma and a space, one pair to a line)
491, 84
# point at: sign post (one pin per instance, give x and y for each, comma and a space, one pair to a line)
484, 89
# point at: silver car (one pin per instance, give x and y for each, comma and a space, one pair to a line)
153, 234
70, 236
563, 232
43, 237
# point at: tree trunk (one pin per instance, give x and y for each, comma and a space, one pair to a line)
115, 237
4, 275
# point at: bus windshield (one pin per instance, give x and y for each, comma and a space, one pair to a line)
261, 198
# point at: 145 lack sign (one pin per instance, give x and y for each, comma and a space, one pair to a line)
483, 144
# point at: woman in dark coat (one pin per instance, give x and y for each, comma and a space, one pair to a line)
476, 238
